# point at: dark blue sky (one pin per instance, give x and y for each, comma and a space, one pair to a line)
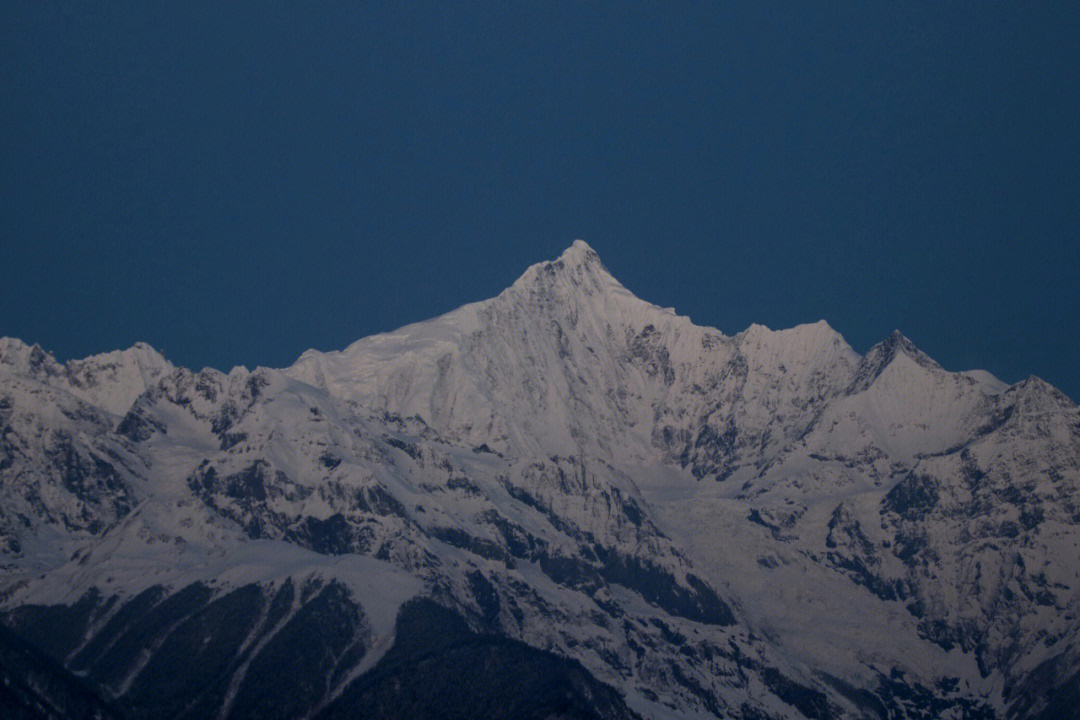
235, 183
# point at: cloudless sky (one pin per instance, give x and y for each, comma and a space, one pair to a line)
236, 182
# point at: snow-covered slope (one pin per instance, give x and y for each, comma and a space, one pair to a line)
764, 525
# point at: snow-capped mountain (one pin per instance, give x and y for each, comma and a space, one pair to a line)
641, 516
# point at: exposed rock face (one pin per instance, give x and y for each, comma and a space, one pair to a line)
672, 522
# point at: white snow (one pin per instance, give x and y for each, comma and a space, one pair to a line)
589, 397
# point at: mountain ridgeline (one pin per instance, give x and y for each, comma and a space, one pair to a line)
562, 502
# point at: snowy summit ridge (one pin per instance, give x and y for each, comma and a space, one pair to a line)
760, 525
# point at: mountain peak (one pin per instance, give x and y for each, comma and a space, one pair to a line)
579, 253
1035, 393
578, 258
898, 343
882, 356
579, 266
25, 358
110, 381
